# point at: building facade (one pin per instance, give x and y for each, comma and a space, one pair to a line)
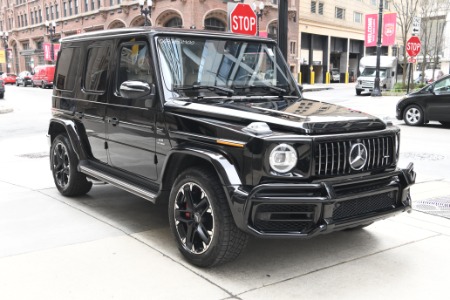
25, 22
332, 37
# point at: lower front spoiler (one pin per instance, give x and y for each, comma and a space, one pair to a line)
309, 209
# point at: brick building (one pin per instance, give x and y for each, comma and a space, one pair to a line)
25, 22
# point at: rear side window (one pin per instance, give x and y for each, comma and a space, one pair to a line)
96, 69
65, 78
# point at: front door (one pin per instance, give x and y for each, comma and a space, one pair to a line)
131, 122
439, 103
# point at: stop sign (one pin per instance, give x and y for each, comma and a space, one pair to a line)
413, 46
243, 19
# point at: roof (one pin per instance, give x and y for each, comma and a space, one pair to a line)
160, 30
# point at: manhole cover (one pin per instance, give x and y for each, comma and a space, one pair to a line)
422, 156
439, 206
34, 155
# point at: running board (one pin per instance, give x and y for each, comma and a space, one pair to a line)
127, 186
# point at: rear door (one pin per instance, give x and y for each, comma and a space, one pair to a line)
131, 122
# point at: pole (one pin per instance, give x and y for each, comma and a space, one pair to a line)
283, 27
376, 89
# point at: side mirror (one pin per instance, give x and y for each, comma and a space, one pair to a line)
134, 89
392, 74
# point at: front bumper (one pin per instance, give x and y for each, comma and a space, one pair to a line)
306, 210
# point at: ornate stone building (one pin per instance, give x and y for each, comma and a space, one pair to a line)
25, 22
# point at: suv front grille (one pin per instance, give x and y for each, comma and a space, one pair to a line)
332, 158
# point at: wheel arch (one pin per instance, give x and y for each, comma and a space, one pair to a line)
181, 159
60, 126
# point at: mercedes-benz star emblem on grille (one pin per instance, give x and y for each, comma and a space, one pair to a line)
358, 156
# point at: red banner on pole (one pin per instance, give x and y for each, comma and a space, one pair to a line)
48, 51
371, 30
389, 29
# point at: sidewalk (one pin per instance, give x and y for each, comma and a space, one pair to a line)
5, 107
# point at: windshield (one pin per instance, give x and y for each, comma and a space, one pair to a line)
370, 72
198, 66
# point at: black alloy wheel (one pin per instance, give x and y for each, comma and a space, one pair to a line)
64, 163
201, 221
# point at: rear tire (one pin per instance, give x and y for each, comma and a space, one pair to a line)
64, 163
201, 220
358, 93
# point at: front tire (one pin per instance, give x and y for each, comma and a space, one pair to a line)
358, 92
64, 162
413, 115
201, 221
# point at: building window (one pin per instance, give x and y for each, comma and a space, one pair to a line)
36, 16
313, 7
56, 11
47, 16
357, 17
214, 24
76, 7
92, 4
373, 2
52, 16
86, 5
40, 15
292, 47
70, 7
31, 16
339, 13
65, 9
386, 4
275, 2
99, 2
175, 22
18, 21
321, 4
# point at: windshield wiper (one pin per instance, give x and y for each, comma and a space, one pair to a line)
264, 87
229, 92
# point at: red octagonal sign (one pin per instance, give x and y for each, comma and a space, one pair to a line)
413, 46
243, 19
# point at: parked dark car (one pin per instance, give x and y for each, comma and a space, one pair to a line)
2, 89
24, 78
431, 103
189, 118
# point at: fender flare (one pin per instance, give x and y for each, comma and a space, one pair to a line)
70, 129
226, 171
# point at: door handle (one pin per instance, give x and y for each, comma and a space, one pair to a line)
79, 114
113, 121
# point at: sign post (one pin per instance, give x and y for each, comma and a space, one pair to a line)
413, 46
243, 19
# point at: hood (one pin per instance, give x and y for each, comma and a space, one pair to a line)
301, 117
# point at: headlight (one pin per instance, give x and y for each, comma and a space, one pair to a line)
283, 158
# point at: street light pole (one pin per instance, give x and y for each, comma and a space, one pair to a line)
51, 29
376, 89
5, 44
146, 10
258, 9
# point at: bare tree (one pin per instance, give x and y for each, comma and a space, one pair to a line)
406, 11
434, 15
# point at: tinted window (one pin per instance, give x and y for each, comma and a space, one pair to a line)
96, 69
65, 79
134, 64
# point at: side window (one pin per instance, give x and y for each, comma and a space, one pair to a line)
442, 87
96, 69
134, 64
65, 78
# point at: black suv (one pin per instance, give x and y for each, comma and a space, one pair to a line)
215, 125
